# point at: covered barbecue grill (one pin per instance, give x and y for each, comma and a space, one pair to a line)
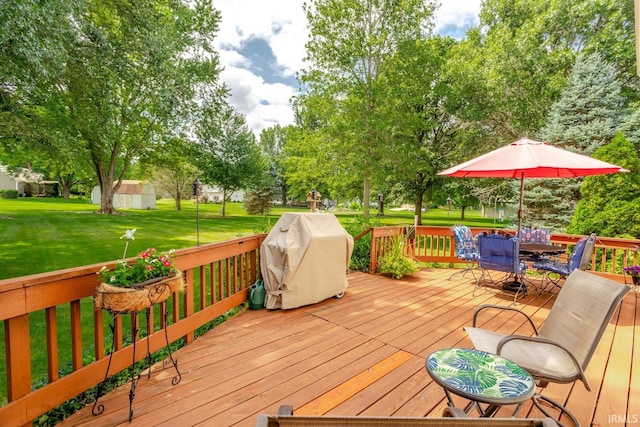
304, 260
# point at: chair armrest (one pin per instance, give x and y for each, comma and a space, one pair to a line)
285, 410
501, 307
545, 341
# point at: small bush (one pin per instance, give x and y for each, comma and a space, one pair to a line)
9, 194
394, 262
360, 258
258, 202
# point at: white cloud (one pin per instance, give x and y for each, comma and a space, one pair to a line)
263, 104
282, 25
457, 13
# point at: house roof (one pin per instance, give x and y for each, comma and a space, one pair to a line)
132, 186
26, 175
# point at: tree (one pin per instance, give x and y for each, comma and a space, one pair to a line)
272, 143
584, 118
258, 202
119, 75
171, 170
226, 152
350, 41
528, 47
609, 204
423, 117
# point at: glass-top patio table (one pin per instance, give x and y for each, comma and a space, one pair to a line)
480, 377
539, 249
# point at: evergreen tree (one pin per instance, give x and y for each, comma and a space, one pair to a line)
587, 115
584, 118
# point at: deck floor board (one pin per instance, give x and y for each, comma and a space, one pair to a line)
362, 354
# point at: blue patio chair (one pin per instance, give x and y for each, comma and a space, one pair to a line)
500, 253
466, 249
578, 260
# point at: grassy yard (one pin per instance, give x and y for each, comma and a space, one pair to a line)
40, 235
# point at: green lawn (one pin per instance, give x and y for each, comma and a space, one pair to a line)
40, 235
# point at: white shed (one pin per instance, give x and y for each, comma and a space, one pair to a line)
130, 195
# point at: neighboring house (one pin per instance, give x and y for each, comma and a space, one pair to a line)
130, 195
27, 182
214, 194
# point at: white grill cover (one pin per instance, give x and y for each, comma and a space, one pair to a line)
304, 260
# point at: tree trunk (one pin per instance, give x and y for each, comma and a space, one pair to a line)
224, 202
106, 200
107, 189
66, 190
177, 200
367, 193
418, 206
283, 198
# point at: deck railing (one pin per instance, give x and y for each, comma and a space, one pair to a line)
217, 277
436, 244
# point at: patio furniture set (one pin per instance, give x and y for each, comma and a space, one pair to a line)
500, 251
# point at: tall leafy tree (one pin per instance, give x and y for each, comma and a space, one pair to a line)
121, 75
350, 41
171, 169
610, 204
227, 153
418, 109
272, 143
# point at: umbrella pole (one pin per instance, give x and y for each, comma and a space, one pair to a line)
520, 206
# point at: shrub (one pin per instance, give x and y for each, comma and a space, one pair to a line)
258, 202
393, 262
362, 247
9, 194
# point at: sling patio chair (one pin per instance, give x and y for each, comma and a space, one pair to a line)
466, 249
578, 259
562, 349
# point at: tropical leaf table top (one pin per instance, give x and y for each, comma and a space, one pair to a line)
480, 376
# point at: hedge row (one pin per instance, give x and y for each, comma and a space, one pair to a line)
9, 194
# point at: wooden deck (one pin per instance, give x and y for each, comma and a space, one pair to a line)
361, 355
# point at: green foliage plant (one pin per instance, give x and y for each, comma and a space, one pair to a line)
394, 262
150, 264
9, 194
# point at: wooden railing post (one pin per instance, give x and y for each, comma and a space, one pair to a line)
17, 345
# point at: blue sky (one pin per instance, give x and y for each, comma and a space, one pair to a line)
261, 45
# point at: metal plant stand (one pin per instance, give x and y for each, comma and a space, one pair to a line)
99, 408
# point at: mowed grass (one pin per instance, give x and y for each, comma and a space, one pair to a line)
40, 235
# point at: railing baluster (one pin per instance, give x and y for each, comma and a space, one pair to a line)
52, 344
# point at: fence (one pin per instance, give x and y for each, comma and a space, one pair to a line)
217, 277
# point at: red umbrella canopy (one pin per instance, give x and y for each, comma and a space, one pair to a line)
527, 158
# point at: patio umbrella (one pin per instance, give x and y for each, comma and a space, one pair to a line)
527, 158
